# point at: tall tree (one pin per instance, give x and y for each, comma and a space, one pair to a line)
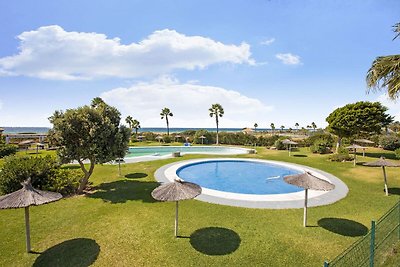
129, 121
272, 127
297, 126
358, 118
384, 74
165, 112
217, 111
89, 134
136, 126
314, 126
282, 127
255, 126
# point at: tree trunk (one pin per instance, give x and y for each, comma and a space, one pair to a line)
88, 173
166, 118
338, 144
216, 119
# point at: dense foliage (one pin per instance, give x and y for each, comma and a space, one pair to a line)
341, 155
89, 133
321, 146
357, 118
389, 142
46, 174
7, 150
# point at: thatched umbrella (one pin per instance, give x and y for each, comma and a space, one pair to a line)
25, 197
364, 141
159, 138
289, 143
355, 147
175, 191
177, 136
382, 162
202, 139
308, 181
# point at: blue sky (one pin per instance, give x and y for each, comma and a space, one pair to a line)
264, 61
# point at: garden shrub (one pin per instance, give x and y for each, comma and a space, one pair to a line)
397, 153
46, 174
279, 145
389, 142
321, 146
7, 150
342, 155
329, 139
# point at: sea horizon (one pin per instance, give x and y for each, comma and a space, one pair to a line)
42, 130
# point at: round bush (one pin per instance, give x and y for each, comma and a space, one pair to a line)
389, 142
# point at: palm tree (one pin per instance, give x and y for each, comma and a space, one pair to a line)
385, 72
165, 112
282, 127
255, 126
273, 127
313, 125
136, 126
129, 121
217, 111
297, 126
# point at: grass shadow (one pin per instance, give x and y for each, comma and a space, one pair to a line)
136, 175
343, 227
123, 190
71, 167
387, 155
80, 252
215, 241
299, 156
394, 191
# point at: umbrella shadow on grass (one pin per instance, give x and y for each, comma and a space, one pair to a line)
299, 156
136, 175
80, 252
343, 227
215, 241
394, 191
123, 190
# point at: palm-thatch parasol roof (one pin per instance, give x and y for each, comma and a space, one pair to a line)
308, 181
365, 141
355, 147
289, 142
202, 137
382, 162
176, 191
25, 197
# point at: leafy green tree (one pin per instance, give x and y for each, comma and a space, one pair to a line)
385, 72
136, 126
360, 117
217, 111
165, 112
255, 126
89, 134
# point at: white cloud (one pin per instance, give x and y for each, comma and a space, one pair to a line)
268, 41
187, 101
289, 59
393, 106
50, 52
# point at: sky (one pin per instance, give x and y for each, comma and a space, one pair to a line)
276, 61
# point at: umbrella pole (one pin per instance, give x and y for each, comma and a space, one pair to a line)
363, 152
305, 209
290, 148
119, 167
384, 177
27, 230
176, 219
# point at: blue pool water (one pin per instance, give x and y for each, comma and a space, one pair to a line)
245, 177
166, 150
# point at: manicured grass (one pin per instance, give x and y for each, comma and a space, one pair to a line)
119, 224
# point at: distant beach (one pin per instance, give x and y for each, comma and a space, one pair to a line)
41, 130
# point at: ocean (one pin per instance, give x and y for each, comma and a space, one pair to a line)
40, 130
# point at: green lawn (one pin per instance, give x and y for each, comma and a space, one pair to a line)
120, 224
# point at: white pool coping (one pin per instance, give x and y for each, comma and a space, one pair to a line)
239, 151
167, 173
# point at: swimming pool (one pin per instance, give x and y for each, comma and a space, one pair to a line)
236, 176
251, 183
157, 152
